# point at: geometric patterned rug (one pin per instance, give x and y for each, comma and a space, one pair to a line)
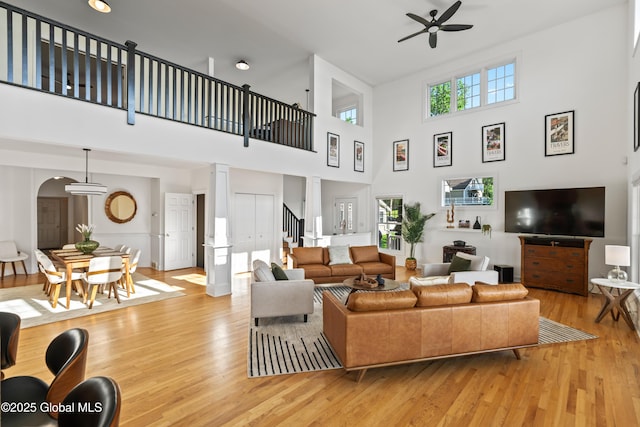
287, 345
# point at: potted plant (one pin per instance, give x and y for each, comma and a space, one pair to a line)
413, 224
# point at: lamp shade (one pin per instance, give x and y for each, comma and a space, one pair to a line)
617, 255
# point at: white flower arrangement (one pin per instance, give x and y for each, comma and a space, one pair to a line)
85, 230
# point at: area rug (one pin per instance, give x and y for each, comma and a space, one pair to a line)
287, 345
34, 308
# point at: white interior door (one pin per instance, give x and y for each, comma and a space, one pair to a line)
49, 223
179, 231
264, 225
253, 230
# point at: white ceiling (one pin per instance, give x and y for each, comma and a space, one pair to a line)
276, 37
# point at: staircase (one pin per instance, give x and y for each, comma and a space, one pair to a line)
293, 228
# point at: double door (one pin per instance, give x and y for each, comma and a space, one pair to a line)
253, 230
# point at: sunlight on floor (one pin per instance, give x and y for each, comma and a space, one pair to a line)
198, 279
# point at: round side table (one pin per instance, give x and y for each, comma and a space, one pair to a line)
615, 304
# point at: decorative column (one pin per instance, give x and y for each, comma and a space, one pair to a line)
313, 225
218, 245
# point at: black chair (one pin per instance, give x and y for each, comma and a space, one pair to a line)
9, 336
96, 403
66, 358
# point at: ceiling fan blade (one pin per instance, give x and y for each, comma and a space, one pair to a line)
449, 12
433, 39
412, 35
420, 19
455, 27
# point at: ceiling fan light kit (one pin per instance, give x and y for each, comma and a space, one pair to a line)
242, 65
85, 188
100, 5
432, 27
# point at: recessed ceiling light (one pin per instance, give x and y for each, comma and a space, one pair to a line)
242, 65
100, 6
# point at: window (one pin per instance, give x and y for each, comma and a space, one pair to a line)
389, 223
349, 115
470, 191
489, 86
468, 91
500, 86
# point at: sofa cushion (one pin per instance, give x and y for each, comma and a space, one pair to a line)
264, 274
346, 270
478, 263
376, 268
502, 292
459, 264
364, 254
429, 281
339, 255
454, 293
316, 270
278, 272
311, 255
375, 301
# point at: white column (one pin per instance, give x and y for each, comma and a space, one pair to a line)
218, 250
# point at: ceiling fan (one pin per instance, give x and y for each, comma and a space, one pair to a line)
432, 27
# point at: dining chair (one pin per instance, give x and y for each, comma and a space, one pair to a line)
102, 391
104, 270
10, 253
118, 248
57, 278
134, 257
9, 337
66, 358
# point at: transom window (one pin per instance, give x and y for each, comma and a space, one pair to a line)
489, 86
349, 115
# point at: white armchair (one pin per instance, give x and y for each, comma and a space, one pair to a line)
10, 253
438, 273
272, 298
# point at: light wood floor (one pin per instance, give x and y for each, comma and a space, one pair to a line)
183, 362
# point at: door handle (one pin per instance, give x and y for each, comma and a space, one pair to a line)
167, 234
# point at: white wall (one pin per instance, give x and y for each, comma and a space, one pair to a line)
570, 67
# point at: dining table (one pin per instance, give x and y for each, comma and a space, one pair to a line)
73, 259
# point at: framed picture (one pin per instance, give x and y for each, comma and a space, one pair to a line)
493, 143
358, 156
558, 134
636, 118
442, 154
333, 150
401, 155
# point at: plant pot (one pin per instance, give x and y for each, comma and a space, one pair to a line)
410, 264
87, 246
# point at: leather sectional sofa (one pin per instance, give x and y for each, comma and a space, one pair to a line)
376, 329
317, 265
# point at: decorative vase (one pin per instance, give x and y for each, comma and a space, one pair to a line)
476, 225
87, 245
379, 279
410, 264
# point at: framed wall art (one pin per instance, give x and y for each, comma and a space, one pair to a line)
442, 145
358, 156
333, 150
493, 143
636, 118
401, 155
558, 134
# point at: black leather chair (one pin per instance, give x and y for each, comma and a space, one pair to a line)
100, 400
66, 358
9, 336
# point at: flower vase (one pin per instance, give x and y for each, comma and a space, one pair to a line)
87, 245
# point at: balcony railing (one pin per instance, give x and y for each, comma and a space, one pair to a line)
45, 55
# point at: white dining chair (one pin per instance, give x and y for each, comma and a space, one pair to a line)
134, 257
10, 253
103, 271
55, 278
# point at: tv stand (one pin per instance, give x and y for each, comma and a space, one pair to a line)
556, 263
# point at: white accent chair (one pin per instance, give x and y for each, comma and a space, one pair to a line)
56, 277
103, 271
10, 253
438, 273
273, 298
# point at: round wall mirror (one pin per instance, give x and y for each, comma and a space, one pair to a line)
120, 207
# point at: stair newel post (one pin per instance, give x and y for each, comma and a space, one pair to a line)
131, 82
246, 124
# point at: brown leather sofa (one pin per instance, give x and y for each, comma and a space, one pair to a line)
376, 329
365, 259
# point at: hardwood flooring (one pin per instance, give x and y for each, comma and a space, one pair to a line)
183, 362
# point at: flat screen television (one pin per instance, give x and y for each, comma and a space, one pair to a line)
558, 212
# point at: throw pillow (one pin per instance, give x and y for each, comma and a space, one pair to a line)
278, 272
339, 255
459, 264
478, 263
264, 274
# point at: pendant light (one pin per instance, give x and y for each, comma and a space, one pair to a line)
85, 188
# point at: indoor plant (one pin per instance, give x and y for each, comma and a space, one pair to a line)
413, 224
86, 246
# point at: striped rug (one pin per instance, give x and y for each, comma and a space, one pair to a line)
287, 345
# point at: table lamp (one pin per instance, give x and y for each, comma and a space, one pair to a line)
617, 256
